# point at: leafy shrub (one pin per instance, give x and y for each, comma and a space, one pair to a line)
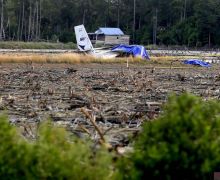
66, 37
184, 143
53, 156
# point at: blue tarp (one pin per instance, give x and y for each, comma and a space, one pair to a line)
197, 62
135, 50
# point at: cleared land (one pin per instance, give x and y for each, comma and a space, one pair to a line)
117, 97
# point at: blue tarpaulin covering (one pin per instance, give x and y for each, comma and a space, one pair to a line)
135, 50
197, 62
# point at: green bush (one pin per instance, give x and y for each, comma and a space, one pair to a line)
66, 37
184, 143
53, 156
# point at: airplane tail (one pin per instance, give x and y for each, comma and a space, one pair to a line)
83, 42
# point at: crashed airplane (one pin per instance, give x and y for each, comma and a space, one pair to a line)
84, 45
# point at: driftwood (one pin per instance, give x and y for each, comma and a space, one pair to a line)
92, 120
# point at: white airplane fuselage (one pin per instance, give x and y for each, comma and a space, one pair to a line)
85, 46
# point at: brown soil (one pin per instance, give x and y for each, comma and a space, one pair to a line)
120, 99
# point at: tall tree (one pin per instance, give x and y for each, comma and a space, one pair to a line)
2, 21
175, 22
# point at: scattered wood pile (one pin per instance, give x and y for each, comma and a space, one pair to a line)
107, 103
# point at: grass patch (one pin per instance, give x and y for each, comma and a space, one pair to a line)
74, 58
71, 58
35, 45
173, 58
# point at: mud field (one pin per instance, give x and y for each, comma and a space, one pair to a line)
87, 98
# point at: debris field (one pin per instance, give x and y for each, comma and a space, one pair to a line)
95, 100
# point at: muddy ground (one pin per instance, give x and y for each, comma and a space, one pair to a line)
118, 98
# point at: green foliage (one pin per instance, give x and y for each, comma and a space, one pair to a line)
181, 33
183, 143
178, 22
67, 37
53, 156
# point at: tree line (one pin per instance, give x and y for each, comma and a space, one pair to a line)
163, 22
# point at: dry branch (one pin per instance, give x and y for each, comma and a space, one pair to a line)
92, 120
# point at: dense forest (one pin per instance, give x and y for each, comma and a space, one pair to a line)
163, 22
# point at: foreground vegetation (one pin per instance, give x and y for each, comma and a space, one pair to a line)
54, 155
183, 143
